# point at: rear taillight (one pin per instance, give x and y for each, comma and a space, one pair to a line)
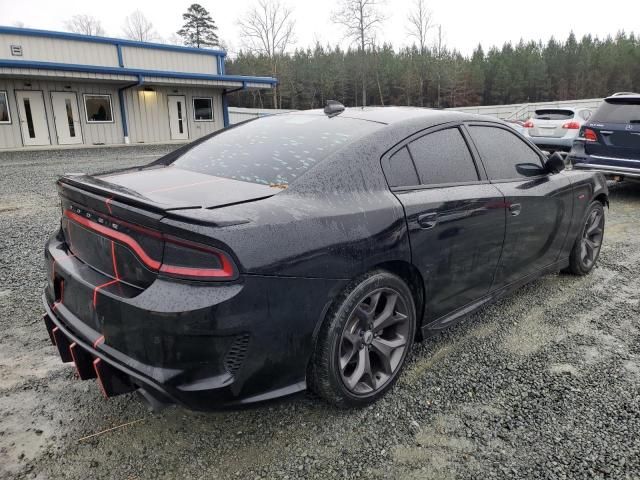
528, 124
589, 135
194, 261
571, 126
181, 258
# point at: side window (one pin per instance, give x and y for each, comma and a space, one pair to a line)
443, 157
400, 171
504, 155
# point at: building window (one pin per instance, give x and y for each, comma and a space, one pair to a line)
202, 109
98, 108
5, 116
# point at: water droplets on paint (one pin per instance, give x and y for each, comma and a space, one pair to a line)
273, 150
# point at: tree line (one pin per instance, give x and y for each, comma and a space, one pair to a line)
373, 72
439, 77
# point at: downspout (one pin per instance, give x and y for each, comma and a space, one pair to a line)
123, 111
225, 103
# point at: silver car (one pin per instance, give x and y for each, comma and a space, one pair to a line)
555, 128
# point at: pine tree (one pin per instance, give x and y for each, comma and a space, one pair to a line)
199, 29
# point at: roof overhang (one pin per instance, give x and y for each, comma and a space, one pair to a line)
71, 72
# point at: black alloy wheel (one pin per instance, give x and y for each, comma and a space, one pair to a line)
587, 246
374, 341
364, 341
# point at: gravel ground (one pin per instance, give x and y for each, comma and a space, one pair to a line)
544, 384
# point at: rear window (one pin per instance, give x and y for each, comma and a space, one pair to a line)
618, 111
553, 114
274, 150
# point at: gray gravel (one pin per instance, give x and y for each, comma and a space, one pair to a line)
544, 384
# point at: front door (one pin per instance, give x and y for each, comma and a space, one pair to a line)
66, 117
33, 119
178, 117
539, 205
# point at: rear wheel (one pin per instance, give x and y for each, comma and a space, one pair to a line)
586, 250
364, 341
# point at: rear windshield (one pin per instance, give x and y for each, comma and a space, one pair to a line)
618, 111
274, 150
553, 114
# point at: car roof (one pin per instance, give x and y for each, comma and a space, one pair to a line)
621, 97
391, 115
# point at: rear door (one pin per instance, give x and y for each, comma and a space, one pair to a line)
456, 218
539, 205
616, 124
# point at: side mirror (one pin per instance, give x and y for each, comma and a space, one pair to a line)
555, 163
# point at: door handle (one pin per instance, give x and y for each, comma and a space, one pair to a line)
515, 209
427, 220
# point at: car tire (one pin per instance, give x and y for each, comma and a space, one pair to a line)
586, 249
364, 341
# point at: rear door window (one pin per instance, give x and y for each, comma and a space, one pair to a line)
443, 157
504, 154
618, 111
399, 169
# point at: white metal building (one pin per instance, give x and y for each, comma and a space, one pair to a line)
63, 89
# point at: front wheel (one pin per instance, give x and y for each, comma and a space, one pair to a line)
587, 247
364, 341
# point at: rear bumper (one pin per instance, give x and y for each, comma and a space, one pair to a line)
201, 346
90, 361
609, 170
563, 143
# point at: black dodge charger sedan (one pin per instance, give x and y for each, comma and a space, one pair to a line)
305, 250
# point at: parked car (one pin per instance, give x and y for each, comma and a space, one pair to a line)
305, 250
555, 129
517, 125
610, 141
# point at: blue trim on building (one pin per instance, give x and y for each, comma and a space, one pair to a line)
225, 109
113, 41
120, 60
72, 67
123, 110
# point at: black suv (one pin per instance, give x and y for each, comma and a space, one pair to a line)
610, 141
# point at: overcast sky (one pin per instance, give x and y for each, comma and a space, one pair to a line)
465, 23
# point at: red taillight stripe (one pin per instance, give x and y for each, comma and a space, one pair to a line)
95, 290
227, 270
113, 260
115, 235
99, 341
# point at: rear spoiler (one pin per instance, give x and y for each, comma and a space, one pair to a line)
104, 196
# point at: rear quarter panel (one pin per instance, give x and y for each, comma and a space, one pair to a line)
587, 186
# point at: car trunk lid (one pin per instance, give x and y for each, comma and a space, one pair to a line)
617, 127
548, 123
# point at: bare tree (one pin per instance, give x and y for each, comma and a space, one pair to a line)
420, 22
138, 27
360, 19
268, 29
84, 24
439, 48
